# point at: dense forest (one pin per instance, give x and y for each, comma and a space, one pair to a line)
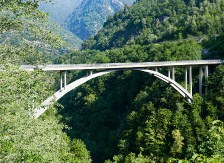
26, 38
126, 116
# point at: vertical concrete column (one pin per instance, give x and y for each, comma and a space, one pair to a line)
65, 77
190, 80
61, 81
206, 79
200, 80
206, 71
186, 79
173, 73
168, 72
156, 69
91, 72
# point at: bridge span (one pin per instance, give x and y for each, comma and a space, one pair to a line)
151, 68
100, 66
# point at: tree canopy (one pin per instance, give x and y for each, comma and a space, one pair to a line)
23, 138
125, 116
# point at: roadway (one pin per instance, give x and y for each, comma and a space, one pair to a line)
105, 66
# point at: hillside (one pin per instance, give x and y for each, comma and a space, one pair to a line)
26, 37
133, 117
72, 41
89, 17
59, 10
122, 117
150, 21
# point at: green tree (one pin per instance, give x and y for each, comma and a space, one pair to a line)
178, 142
23, 138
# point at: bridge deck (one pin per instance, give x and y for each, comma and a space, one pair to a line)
97, 66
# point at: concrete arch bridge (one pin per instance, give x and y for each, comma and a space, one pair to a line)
152, 68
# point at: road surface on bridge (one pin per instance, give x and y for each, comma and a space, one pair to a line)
100, 66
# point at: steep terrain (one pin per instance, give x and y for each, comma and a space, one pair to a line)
133, 117
122, 117
154, 21
59, 10
89, 17
25, 37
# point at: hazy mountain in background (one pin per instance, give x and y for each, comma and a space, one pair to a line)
89, 17
59, 10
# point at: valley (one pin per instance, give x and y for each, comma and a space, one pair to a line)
119, 117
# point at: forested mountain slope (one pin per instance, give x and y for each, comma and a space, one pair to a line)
150, 21
58, 11
26, 38
72, 41
134, 117
89, 17
123, 117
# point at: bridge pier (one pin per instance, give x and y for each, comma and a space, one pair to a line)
200, 80
188, 78
173, 73
168, 72
89, 73
203, 72
61, 81
63, 74
206, 79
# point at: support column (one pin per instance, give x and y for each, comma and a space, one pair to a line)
65, 82
61, 81
190, 80
156, 69
206, 79
186, 78
173, 73
89, 73
200, 80
168, 72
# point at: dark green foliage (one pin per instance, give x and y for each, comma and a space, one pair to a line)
215, 47
125, 116
216, 95
150, 21
95, 115
23, 138
133, 117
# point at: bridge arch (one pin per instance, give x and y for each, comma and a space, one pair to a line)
60, 93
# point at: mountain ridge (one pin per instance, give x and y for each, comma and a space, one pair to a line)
59, 10
89, 17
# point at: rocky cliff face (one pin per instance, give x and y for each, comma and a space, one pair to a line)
89, 17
